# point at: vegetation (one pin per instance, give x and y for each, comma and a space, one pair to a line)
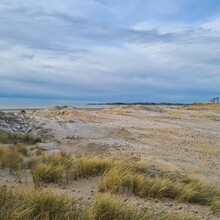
50, 168
38, 204
15, 138
106, 206
91, 166
47, 173
58, 167
43, 204
197, 115
11, 158
22, 112
211, 107
123, 177
116, 176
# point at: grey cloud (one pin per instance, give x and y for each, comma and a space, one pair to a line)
32, 27
26, 56
50, 53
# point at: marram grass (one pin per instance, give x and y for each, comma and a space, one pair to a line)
38, 204
123, 177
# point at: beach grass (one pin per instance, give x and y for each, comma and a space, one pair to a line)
15, 138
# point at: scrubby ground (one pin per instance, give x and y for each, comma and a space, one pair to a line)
136, 162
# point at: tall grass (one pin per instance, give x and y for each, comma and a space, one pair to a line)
123, 177
50, 168
55, 168
91, 166
10, 158
110, 207
38, 205
26, 204
47, 173
107, 206
119, 176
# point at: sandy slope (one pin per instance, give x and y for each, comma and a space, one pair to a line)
185, 140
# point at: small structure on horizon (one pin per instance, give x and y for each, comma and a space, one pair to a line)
215, 100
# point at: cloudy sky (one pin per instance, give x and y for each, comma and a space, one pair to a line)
110, 50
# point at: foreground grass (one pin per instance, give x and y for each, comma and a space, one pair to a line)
107, 206
44, 205
118, 176
115, 176
38, 204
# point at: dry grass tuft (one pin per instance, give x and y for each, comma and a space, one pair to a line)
47, 173
51, 168
107, 206
55, 168
90, 166
38, 205
10, 158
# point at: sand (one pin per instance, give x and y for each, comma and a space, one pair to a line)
184, 139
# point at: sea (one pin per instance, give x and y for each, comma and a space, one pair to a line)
16, 105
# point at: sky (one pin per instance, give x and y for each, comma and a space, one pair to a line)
109, 50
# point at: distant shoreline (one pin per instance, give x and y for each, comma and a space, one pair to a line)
137, 103
86, 106
19, 109
94, 106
